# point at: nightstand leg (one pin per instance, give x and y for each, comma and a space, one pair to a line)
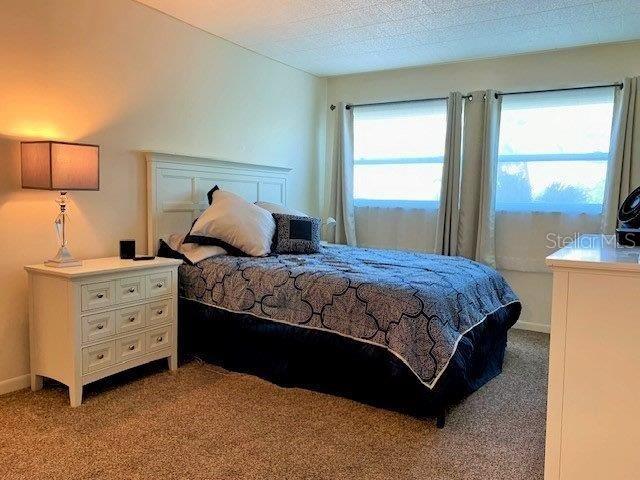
173, 362
36, 382
75, 395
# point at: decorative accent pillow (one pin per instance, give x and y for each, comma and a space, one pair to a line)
192, 253
211, 242
234, 221
279, 208
296, 234
210, 193
165, 251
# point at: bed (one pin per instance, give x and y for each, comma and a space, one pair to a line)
403, 330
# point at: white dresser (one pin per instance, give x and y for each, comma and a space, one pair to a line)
94, 320
593, 416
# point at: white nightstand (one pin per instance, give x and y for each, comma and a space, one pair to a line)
97, 319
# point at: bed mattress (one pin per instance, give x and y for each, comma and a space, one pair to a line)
415, 306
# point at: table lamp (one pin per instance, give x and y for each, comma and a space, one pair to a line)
60, 166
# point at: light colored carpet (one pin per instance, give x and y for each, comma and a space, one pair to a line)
203, 422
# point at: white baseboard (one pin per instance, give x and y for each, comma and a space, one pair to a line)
532, 327
13, 384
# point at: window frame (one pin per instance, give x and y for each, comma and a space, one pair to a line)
396, 203
390, 161
542, 207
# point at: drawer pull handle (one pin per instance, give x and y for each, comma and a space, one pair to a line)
100, 326
100, 295
159, 312
100, 356
132, 319
159, 285
132, 347
131, 290
160, 339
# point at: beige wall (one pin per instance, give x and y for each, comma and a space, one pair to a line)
128, 78
562, 68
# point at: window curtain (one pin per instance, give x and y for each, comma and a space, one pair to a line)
341, 195
476, 223
396, 228
398, 224
623, 174
525, 237
446, 240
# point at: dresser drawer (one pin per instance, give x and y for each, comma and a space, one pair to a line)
158, 284
159, 312
159, 338
98, 326
130, 289
98, 295
98, 356
130, 319
130, 347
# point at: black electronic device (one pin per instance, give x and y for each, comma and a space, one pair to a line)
127, 249
628, 231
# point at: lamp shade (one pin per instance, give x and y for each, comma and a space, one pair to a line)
60, 166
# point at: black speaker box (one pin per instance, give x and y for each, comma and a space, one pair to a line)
127, 249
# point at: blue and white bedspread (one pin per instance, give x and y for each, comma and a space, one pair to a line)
415, 305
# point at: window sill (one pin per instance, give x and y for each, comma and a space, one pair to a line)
555, 209
403, 204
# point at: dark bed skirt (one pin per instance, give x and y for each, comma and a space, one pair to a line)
291, 356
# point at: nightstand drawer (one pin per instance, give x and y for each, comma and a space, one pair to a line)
159, 338
129, 347
159, 312
98, 356
130, 319
159, 284
98, 295
130, 289
98, 326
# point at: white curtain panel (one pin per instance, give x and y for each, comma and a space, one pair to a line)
525, 239
446, 234
386, 219
526, 236
623, 174
396, 228
476, 224
341, 196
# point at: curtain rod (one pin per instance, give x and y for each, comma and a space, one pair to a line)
333, 107
393, 102
587, 87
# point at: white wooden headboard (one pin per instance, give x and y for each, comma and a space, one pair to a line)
177, 188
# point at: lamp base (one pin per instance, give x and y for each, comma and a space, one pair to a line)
63, 259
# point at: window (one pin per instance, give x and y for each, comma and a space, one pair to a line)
554, 149
398, 153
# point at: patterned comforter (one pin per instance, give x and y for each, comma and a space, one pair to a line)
415, 305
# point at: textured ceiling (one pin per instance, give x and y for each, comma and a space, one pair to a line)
331, 37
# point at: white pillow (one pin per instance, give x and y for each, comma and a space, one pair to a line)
282, 209
192, 251
239, 223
